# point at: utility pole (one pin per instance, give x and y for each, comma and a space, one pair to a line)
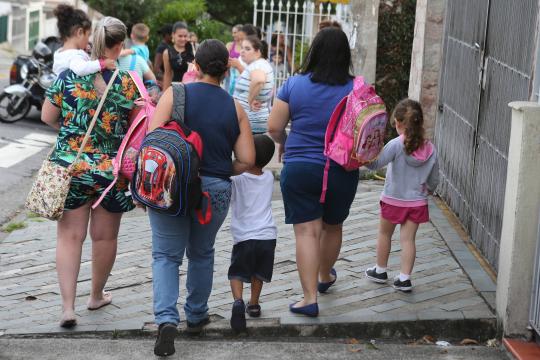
364, 42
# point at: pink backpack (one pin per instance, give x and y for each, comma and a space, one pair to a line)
125, 161
355, 132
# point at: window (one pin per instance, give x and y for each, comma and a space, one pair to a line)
33, 29
3, 28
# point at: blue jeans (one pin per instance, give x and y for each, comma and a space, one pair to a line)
174, 235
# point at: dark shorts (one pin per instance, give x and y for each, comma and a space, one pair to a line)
252, 258
301, 187
400, 214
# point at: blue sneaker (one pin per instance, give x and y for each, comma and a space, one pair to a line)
323, 287
311, 310
238, 316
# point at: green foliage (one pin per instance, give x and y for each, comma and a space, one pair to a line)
231, 12
394, 47
12, 226
129, 11
212, 29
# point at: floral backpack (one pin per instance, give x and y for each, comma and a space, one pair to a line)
355, 133
126, 158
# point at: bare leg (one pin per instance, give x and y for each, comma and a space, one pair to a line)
329, 251
71, 232
256, 288
384, 242
407, 236
104, 228
308, 236
237, 288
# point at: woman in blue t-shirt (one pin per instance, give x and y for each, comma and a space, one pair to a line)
308, 99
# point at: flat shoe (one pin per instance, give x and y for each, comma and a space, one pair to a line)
311, 310
324, 286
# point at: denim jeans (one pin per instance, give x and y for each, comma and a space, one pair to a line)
174, 235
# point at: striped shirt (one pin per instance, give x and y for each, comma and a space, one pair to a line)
258, 119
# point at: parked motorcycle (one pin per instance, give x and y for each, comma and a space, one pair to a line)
30, 77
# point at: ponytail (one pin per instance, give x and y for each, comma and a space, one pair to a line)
109, 32
409, 113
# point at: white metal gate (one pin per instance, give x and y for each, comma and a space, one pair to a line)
294, 25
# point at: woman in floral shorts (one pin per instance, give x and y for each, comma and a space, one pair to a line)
71, 103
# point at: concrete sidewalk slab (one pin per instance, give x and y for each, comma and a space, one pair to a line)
444, 302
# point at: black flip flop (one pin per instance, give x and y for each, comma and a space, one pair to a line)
68, 324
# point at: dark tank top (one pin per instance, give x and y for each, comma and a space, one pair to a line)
179, 61
210, 111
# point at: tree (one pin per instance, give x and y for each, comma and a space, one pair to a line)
129, 11
231, 12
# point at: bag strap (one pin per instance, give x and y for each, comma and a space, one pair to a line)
133, 62
94, 118
179, 103
139, 84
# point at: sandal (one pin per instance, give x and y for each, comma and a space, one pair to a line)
253, 310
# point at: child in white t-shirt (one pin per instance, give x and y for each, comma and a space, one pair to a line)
254, 232
74, 28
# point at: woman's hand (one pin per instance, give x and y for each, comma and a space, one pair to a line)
281, 152
163, 112
255, 105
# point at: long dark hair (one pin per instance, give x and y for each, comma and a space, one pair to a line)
329, 58
409, 113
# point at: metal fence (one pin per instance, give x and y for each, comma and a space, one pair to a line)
488, 62
290, 26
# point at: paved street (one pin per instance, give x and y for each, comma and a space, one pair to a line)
444, 299
23, 146
282, 349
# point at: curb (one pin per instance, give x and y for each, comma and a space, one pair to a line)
481, 329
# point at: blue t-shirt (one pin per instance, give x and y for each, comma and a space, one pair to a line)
142, 51
310, 106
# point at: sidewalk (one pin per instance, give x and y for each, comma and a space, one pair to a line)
444, 302
7, 55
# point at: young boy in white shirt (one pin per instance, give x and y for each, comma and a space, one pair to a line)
254, 233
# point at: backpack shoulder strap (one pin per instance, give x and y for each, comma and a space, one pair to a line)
133, 62
139, 84
179, 102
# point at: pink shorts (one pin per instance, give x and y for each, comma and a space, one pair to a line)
399, 214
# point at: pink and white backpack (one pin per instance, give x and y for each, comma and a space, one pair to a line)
355, 132
126, 158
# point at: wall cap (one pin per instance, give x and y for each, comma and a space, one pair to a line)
524, 105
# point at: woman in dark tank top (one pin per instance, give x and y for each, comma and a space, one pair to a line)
177, 56
224, 128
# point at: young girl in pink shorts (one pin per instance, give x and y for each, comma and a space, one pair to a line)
411, 175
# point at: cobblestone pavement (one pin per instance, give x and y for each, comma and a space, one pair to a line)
30, 300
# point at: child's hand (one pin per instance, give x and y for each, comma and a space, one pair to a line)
139, 205
126, 52
110, 64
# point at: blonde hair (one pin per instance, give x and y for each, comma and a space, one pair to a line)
140, 31
109, 32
